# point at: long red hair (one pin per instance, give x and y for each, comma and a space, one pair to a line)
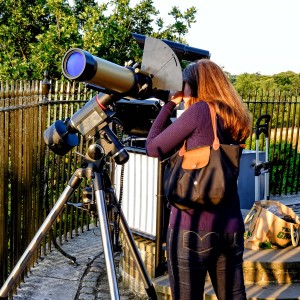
209, 83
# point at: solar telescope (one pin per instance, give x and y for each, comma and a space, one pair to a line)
160, 71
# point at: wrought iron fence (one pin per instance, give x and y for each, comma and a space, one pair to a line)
32, 177
284, 137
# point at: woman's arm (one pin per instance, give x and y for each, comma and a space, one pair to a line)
162, 139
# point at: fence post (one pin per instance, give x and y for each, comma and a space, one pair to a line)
45, 86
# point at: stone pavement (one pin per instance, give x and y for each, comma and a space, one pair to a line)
55, 278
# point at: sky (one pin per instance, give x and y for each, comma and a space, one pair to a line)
244, 36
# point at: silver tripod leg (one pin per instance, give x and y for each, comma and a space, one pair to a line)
35, 242
105, 236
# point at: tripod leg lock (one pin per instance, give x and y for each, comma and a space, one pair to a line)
78, 175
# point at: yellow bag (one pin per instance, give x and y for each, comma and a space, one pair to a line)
271, 224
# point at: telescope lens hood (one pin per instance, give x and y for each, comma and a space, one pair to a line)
78, 64
58, 139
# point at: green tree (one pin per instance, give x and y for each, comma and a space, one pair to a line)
268, 83
50, 45
284, 81
110, 36
35, 34
232, 78
287, 81
20, 22
180, 27
247, 82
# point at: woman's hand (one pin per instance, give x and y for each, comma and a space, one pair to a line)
175, 96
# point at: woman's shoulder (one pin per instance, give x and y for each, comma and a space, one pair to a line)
198, 114
200, 105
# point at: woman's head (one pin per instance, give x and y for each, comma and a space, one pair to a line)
209, 83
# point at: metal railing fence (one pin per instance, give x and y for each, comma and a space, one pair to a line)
32, 177
284, 137
22, 120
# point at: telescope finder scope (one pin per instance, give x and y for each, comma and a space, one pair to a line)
80, 65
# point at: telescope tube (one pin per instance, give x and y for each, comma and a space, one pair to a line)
80, 65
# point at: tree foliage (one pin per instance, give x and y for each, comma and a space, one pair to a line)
35, 34
285, 81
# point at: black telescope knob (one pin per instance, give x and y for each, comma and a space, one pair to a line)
95, 152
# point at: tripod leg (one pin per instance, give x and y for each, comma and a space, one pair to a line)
35, 242
105, 236
150, 290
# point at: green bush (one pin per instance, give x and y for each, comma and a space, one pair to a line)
285, 166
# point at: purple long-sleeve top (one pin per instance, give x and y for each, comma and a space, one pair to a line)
194, 126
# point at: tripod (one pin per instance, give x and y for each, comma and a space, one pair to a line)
92, 168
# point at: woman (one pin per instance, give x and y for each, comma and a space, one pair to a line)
205, 240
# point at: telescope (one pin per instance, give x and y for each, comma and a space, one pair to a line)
82, 66
159, 73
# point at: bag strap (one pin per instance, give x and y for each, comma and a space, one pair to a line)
216, 142
213, 116
252, 217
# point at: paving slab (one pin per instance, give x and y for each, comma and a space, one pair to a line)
56, 278
258, 292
